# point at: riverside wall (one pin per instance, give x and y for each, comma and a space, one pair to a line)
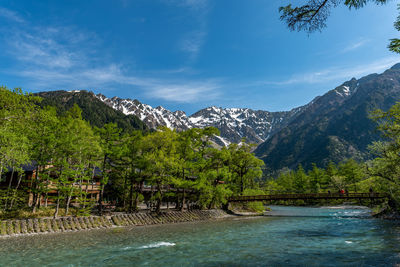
69, 224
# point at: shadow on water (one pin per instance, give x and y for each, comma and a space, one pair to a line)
316, 258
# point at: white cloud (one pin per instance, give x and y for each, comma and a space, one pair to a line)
337, 73
59, 58
10, 15
188, 92
49, 47
355, 45
193, 42
192, 4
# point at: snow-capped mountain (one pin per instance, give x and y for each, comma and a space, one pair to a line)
152, 117
331, 128
234, 123
256, 126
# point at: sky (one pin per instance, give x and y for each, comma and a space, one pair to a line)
189, 54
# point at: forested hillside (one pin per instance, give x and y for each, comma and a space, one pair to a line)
335, 126
67, 156
93, 110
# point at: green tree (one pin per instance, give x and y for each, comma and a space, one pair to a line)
109, 138
16, 112
316, 176
312, 15
188, 145
136, 168
386, 166
301, 180
160, 160
246, 168
285, 181
45, 126
352, 171
76, 155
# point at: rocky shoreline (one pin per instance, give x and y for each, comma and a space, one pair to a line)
67, 224
385, 215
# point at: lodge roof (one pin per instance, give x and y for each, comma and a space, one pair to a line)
33, 165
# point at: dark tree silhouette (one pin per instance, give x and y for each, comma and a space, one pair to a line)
312, 16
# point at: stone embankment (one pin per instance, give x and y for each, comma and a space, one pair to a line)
67, 224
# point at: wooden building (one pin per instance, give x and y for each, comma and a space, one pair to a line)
25, 180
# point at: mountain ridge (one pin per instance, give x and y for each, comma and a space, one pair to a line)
234, 123
93, 110
335, 127
331, 127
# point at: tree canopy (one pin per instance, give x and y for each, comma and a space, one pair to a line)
313, 14
66, 152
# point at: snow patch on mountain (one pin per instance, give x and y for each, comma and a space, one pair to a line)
234, 123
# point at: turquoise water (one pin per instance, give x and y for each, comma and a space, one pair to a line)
294, 236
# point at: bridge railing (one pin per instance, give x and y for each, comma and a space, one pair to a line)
307, 196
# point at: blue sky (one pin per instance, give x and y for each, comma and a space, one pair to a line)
189, 54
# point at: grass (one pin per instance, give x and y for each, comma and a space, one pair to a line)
254, 206
26, 213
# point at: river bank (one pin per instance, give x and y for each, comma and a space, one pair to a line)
387, 214
68, 224
302, 236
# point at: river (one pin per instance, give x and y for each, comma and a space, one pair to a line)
293, 236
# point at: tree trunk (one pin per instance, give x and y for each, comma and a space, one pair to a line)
87, 187
1, 169
16, 190
58, 194
47, 192
131, 195
183, 192
138, 191
151, 197
9, 188
58, 205
39, 201
241, 183
124, 190
182, 207
158, 207
102, 186
35, 194
69, 199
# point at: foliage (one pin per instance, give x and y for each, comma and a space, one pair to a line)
336, 128
67, 154
179, 167
254, 206
386, 166
94, 111
312, 16
394, 44
244, 166
347, 175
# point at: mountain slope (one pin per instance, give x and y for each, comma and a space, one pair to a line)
93, 110
335, 126
332, 127
152, 117
233, 123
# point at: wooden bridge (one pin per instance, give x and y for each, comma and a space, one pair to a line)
316, 196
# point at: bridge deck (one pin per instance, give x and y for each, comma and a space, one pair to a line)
309, 196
